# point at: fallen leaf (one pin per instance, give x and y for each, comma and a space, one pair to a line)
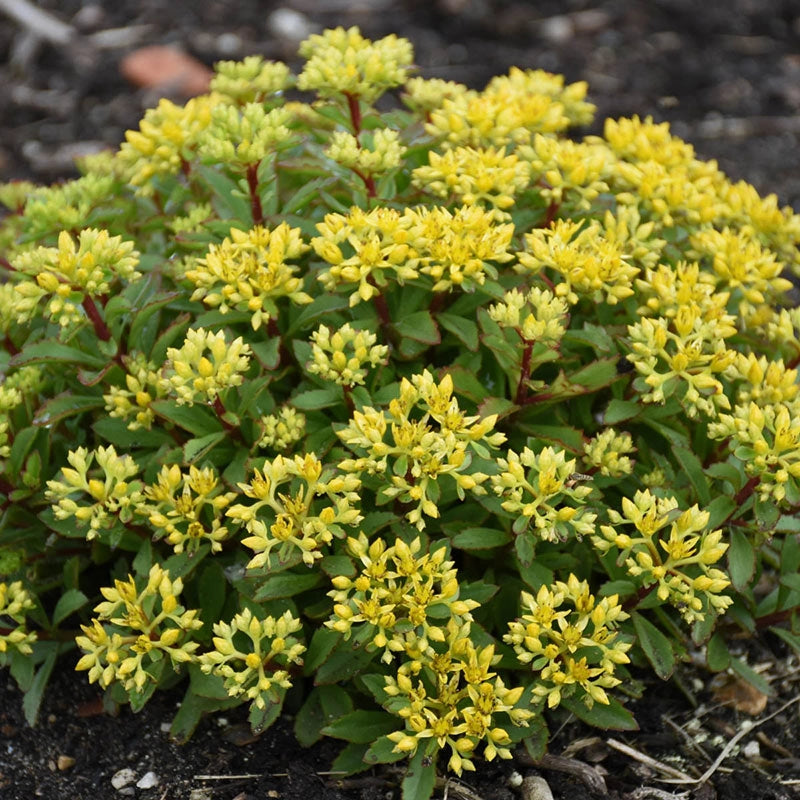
740, 695
166, 68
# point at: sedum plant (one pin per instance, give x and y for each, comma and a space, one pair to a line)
432, 424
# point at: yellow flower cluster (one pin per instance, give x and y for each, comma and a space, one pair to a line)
567, 169
257, 670
373, 153
342, 357
634, 237
687, 351
240, 137
249, 272
452, 698
510, 110
534, 486
166, 140
767, 440
283, 428
14, 602
72, 270
142, 386
192, 376
538, 316
680, 564
299, 505
590, 265
608, 451
251, 80
427, 94
111, 497
342, 61
146, 625
185, 508
472, 176
422, 450
569, 639
397, 595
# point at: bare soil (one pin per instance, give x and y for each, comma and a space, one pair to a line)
725, 73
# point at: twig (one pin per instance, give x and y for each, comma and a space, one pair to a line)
726, 751
41, 23
687, 738
643, 758
651, 793
245, 777
592, 779
456, 787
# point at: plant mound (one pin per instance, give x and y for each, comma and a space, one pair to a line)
431, 422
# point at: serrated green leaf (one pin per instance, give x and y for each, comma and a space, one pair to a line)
420, 327
315, 399
620, 410
65, 405
741, 559
717, 655
195, 419
480, 539
465, 330
56, 353
655, 645
197, 449
267, 353
286, 585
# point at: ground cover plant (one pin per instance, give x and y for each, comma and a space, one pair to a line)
427, 422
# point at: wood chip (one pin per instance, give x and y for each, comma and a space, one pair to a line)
740, 695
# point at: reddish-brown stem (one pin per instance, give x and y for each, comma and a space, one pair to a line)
100, 327
522, 386
255, 199
794, 362
186, 168
746, 491
380, 305
550, 214
775, 617
369, 183
10, 346
348, 398
6, 264
355, 112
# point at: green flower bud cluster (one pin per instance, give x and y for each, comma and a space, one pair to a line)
14, 602
341, 357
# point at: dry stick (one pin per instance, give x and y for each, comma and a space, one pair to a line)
649, 761
728, 747
457, 788
40, 23
571, 766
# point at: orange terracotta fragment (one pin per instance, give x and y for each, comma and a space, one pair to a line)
168, 68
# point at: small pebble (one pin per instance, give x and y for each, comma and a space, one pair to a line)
286, 23
122, 778
65, 762
752, 749
165, 727
534, 787
557, 29
147, 781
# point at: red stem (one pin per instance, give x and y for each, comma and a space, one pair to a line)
522, 386
355, 112
550, 214
100, 327
348, 398
255, 200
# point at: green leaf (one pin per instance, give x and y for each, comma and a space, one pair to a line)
310, 720
524, 548
717, 655
228, 201
32, 701
196, 449
351, 759
321, 309
741, 559
621, 410
323, 643
792, 639
287, 585
65, 405
420, 327
115, 431
315, 399
596, 375
54, 352
67, 604
23, 442
480, 539
305, 194
420, 779
143, 327
657, 648
268, 353
465, 330
382, 752
536, 740
362, 727
347, 660
261, 718
611, 717
337, 565
694, 471
719, 510
751, 676
195, 419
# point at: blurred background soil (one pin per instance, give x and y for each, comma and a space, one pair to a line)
726, 73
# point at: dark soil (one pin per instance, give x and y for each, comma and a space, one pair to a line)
726, 73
